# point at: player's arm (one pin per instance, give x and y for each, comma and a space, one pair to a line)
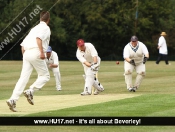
94, 54
39, 43
95, 59
160, 43
53, 65
22, 49
87, 63
145, 58
128, 59
145, 51
147, 55
126, 54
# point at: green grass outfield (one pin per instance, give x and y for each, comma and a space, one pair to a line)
155, 97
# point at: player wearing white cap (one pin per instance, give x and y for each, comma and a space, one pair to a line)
34, 48
53, 64
135, 54
88, 56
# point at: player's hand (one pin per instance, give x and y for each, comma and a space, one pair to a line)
132, 62
94, 67
50, 66
144, 60
42, 56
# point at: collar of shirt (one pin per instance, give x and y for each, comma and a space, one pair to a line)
134, 48
42, 22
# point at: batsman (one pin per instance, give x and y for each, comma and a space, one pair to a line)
88, 56
135, 54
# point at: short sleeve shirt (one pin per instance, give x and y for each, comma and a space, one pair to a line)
41, 31
88, 54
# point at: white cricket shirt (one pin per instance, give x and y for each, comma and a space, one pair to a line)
53, 59
163, 46
88, 54
41, 31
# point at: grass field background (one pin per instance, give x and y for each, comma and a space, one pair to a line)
155, 97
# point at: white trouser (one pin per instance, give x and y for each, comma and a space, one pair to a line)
31, 59
140, 69
57, 76
89, 77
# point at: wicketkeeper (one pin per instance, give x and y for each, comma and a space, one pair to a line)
135, 54
88, 56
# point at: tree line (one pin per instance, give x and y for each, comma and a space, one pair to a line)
108, 24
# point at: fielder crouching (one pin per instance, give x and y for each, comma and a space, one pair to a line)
135, 54
88, 56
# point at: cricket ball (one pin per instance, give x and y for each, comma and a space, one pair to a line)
117, 62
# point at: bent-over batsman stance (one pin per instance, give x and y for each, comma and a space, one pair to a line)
135, 54
53, 64
88, 56
33, 48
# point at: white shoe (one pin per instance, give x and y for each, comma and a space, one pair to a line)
12, 105
134, 89
130, 89
102, 89
28, 94
58, 89
85, 93
98, 91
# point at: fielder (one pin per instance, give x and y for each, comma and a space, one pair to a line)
135, 54
53, 64
33, 48
88, 56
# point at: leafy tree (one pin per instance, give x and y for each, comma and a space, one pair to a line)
108, 24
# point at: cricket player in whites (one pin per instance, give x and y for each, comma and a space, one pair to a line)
33, 48
135, 54
88, 56
53, 64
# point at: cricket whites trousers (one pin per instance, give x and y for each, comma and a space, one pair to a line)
57, 76
91, 80
31, 59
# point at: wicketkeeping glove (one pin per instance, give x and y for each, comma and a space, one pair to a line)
144, 60
94, 67
132, 62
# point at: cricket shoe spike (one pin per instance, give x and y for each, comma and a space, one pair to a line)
85, 93
98, 91
28, 94
12, 105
